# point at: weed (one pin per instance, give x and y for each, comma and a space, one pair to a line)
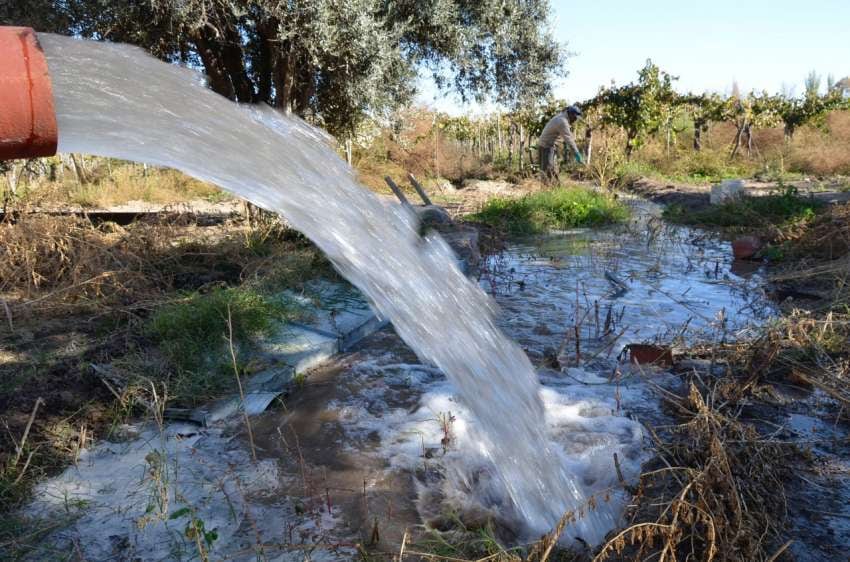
299, 379
560, 208
779, 212
192, 333
197, 532
460, 542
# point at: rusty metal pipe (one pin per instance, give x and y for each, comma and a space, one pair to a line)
27, 116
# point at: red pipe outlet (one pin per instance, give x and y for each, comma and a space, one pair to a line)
27, 117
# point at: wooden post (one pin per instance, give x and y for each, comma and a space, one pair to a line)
397, 191
419, 189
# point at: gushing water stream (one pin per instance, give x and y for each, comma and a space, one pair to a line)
116, 101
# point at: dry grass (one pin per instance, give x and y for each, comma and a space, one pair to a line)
67, 262
715, 491
418, 148
74, 296
814, 151
823, 152
107, 183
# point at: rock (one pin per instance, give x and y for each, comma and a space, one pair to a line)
550, 359
444, 186
542, 329
488, 186
746, 247
465, 244
728, 190
432, 215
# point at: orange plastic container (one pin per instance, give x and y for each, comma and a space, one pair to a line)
27, 116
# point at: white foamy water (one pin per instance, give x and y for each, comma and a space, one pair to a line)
117, 101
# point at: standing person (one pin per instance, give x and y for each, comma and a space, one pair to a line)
556, 129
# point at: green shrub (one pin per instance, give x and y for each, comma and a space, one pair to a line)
558, 208
192, 335
779, 210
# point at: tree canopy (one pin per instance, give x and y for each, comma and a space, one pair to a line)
336, 61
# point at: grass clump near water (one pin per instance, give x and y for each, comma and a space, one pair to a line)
782, 210
192, 333
555, 209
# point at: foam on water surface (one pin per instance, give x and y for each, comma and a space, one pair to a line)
583, 426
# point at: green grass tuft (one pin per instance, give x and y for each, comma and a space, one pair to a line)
192, 334
782, 210
559, 208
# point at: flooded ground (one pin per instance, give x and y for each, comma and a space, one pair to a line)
643, 281
375, 444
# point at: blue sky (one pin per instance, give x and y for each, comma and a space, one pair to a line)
761, 44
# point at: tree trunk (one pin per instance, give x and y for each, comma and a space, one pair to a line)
205, 43
788, 133
588, 137
265, 66
749, 132
284, 79
79, 173
436, 140
697, 136
737, 144
521, 146
499, 129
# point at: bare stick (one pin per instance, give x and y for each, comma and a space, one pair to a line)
779, 552
419, 189
578, 346
20, 449
239, 383
397, 190
8, 315
401, 550
24, 469
619, 471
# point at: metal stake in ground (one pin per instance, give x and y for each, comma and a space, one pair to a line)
397, 190
419, 189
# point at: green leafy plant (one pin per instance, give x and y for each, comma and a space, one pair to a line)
559, 208
196, 531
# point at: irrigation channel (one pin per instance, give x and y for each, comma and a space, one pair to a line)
442, 420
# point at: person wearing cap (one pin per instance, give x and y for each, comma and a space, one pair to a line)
556, 129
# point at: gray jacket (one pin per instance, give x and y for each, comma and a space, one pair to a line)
556, 129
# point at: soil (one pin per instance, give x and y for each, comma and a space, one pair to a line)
696, 197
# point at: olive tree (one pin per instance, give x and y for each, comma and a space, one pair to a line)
335, 61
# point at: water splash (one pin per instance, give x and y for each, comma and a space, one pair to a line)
117, 101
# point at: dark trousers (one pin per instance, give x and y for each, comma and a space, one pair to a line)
548, 171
